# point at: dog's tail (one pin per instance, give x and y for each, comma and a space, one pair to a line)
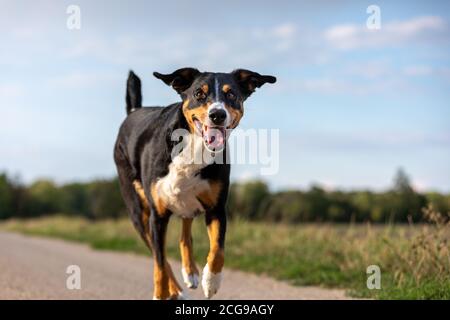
134, 95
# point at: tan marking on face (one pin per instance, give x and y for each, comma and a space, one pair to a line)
236, 115
205, 88
187, 255
226, 88
200, 112
216, 255
211, 196
160, 206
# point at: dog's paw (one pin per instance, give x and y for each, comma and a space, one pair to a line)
191, 280
210, 282
182, 295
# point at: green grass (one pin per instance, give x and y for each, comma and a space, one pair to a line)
414, 261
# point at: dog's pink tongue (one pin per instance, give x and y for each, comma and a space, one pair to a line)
214, 137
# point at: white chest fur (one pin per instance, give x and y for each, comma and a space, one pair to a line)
181, 186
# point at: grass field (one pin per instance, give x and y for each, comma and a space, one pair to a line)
414, 260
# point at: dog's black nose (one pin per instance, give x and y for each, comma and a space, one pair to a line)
217, 116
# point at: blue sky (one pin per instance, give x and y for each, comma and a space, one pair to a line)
352, 104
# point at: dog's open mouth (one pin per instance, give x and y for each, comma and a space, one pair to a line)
214, 137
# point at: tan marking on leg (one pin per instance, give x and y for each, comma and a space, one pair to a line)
160, 282
175, 289
211, 196
187, 255
165, 284
140, 191
216, 254
212, 276
145, 208
160, 206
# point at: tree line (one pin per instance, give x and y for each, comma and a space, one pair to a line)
251, 200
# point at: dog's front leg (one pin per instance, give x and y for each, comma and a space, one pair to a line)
212, 272
189, 269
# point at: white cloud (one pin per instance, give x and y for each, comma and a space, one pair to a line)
81, 80
413, 27
287, 30
370, 69
418, 70
338, 85
390, 141
427, 71
223, 48
282, 37
413, 31
9, 91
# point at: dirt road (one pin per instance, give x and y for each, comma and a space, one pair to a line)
35, 268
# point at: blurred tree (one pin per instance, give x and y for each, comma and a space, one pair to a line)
287, 206
75, 199
401, 182
363, 203
406, 202
105, 199
246, 198
440, 202
318, 202
6, 197
250, 200
45, 198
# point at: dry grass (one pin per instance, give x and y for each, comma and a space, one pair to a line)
427, 253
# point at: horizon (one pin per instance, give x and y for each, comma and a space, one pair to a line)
17, 178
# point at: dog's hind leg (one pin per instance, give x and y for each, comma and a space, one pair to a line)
133, 196
189, 270
212, 272
165, 283
158, 228
175, 290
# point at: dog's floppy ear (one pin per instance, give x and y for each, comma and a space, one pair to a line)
248, 80
180, 79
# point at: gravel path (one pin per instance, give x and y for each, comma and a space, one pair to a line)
35, 268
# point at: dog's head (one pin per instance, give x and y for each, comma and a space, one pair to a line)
213, 103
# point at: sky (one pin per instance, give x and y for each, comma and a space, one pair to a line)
352, 105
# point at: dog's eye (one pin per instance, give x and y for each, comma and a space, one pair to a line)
199, 94
231, 95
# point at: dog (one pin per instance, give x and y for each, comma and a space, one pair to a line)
155, 183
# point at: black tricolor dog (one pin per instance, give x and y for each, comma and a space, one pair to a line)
156, 183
